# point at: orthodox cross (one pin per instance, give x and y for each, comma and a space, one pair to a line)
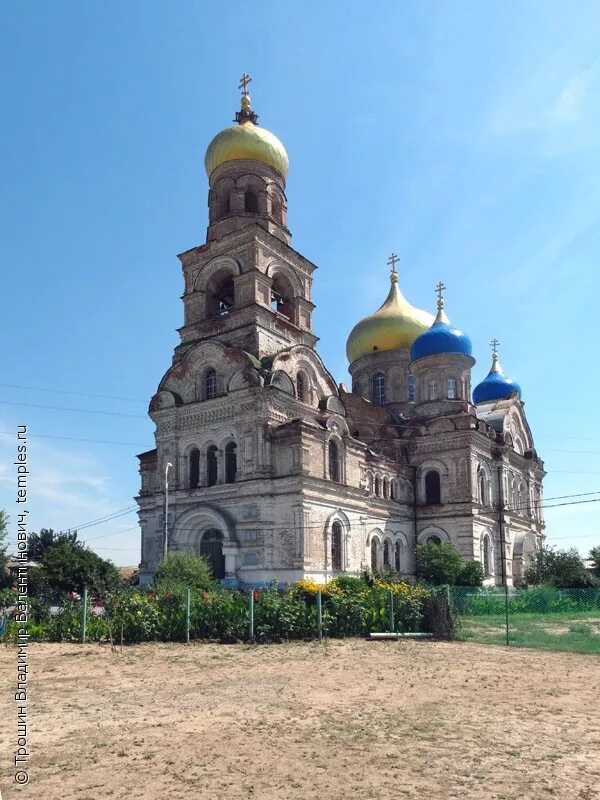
439, 290
392, 261
494, 345
244, 81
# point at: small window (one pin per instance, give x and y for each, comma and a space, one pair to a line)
433, 390
194, 468
410, 387
374, 564
334, 461
336, 546
211, 465
483, 499
386, 554
230, 462
433, 489
250, 203
386, 488
452, 389
486, 556
434, 540
379, 390
377, 486
397, 555
392, 490
210, 384
301, 387
355, 387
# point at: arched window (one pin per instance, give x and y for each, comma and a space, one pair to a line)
221, 295
250, 202
486, 555
434, 540
452, 388
334, 461
386, 554
301, 387
433, 390
377, 486
386, 488
210, 384
211, 465
230, 462
410, 387
392, 489
374, 564
379, 389
211, 549
433, 489
336, 547
282, 296
483, 495
194, 468
355, 386
397, 555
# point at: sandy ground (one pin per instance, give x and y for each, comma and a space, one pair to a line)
348, 719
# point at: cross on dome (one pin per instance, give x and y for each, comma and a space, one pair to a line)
494, 345
439, 290
244, 81
392, 261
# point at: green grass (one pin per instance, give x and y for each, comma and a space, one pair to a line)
576, 632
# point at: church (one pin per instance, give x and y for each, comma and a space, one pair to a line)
270, 469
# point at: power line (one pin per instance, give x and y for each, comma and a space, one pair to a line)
72, 410
66, 391
73, 439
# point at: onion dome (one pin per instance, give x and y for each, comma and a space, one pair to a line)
442, 337
246, 140
496, 386
394, 326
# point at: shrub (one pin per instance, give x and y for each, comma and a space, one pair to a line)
471, 574
438, 564
184, 570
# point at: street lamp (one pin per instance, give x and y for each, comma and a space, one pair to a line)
167, 468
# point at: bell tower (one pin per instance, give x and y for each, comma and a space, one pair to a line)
247, 287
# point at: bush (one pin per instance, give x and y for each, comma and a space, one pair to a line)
471, 574
439, 564
563, 569
184, 570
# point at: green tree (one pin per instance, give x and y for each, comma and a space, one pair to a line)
438, 564
70, 567
563, 569
184, 569
40, 543
471, 574
595, 559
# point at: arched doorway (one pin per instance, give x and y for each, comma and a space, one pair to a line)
211, 548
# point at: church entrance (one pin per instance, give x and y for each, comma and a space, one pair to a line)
211, 548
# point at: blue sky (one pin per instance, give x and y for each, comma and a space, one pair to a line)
462, 135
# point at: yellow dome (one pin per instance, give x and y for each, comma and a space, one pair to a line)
394, 326
246, 140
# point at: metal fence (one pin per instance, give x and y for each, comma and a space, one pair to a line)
553, 619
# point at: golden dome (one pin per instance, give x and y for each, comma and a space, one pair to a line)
394, 326
246, 140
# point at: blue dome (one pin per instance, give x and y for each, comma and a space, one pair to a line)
496, 386
441, 338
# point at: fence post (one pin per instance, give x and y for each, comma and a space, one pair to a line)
506, 611
319, 615
84, 617
251, 615
391, 611
187, 617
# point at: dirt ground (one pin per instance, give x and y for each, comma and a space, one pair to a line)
349, 719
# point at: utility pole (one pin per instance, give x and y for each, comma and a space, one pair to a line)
166, 536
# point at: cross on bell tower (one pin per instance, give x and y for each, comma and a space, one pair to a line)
245, 114
439, 290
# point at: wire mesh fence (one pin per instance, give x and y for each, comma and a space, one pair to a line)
553, 619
